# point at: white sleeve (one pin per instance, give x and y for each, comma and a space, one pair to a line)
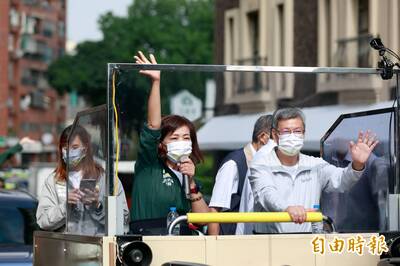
226, 184
50, 214
336, 179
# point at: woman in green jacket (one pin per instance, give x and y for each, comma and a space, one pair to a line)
159, 170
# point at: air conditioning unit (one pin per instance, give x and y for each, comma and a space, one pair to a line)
39, 100
29, 45
18, 53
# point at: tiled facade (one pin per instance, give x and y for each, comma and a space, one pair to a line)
33, 34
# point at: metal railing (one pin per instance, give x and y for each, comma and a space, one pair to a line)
245, 81
245, 217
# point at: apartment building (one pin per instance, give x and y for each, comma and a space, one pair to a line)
345, 29
34, 35
301, 33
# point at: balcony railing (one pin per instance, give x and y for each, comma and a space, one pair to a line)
354, 51
251, 81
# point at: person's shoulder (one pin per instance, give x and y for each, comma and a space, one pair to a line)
228, 164
311, 161
229, 159
234, 153
264, 151
265, 157
267, 147
51, 179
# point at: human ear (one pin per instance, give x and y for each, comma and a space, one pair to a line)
263, 138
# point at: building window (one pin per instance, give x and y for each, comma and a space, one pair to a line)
39, 100
281, 27
282, 43
355, 50
32, 25
30, 77
363, 33
251, 81
61, 29
48, 28
47, 127
28, 45
232, 40
47, 54
14, 18
31, 2
45, 4
328, 32
36, 50
254, 33
26, 127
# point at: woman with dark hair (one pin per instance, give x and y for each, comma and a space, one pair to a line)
86, 188
168, 150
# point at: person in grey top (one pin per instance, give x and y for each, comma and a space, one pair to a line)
86, 189
286, 180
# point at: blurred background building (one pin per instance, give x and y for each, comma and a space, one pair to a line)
33, 34
331, 33
301, 33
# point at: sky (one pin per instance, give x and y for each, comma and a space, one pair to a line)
82, 16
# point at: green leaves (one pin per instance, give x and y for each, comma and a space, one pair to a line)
177, 31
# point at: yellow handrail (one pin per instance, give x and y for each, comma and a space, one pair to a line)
248, 217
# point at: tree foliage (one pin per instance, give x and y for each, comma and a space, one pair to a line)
177, 31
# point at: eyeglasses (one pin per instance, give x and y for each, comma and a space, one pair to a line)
288, 131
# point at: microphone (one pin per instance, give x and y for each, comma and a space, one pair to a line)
185, 179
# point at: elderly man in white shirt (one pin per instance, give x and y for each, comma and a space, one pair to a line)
231, 175
288, 181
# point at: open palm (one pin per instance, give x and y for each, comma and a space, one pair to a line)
142, 59
361, 150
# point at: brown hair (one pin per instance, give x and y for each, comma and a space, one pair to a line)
90, 168
169, 124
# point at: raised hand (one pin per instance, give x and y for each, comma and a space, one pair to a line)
361, 150
142, 59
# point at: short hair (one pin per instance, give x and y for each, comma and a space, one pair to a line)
288, 113
263, 124
169, 124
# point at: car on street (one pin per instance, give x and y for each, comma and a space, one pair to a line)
17, 223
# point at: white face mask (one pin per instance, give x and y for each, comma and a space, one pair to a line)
178, 149
75, 156
290, 144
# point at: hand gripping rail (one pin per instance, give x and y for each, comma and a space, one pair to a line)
243, 217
